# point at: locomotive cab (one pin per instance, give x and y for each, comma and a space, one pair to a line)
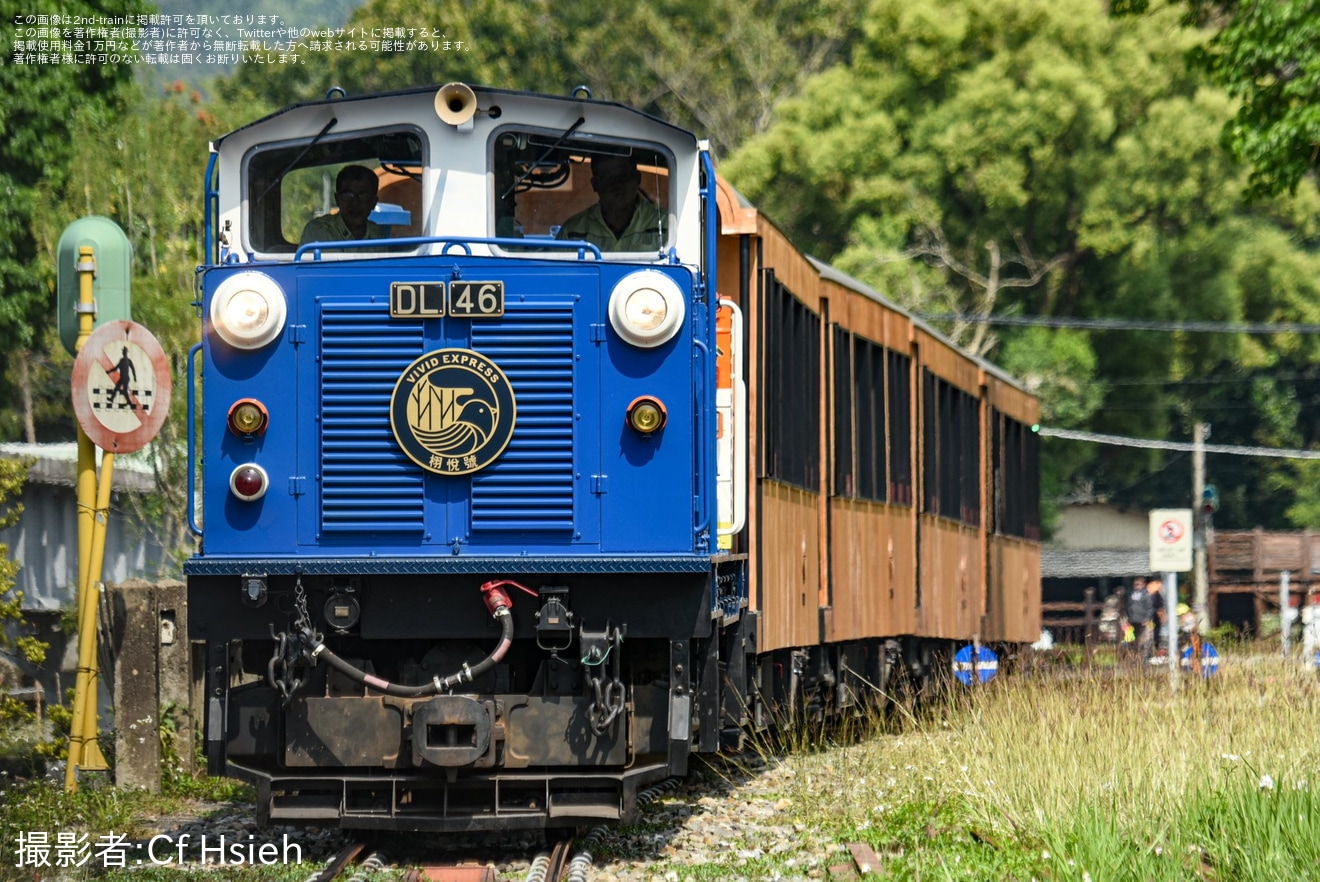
509, 165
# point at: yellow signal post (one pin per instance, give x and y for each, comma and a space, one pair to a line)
84, 751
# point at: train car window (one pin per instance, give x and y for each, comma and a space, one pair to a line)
616, 196
952, 432
1015, 478
841, 354
870, 371
790, 428
861, 430
289, 184
899, 378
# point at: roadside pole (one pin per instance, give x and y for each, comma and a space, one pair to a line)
121, 395
1171, 553
1285, 613
96, 292
84, 749
85, 752
1171, 626
1201, 542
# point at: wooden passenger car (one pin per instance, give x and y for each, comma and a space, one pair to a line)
893, 486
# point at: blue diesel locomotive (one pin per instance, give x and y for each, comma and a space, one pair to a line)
482, 499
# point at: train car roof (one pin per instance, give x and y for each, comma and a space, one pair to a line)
739, 215
573, 98
841, 278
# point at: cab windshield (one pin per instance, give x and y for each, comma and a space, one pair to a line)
614, 195
319, 190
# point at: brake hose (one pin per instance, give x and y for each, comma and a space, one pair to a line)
497, 601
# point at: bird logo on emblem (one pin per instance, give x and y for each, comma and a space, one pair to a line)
452, 411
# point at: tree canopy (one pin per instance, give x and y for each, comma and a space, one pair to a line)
37, 137
1267, 55
1033, 158
716, 66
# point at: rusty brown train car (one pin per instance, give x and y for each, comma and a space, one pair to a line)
893, 481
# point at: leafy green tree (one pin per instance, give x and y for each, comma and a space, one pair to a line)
143, 168
36, 142
717, 67
1044, 158
1267, 55
13, 473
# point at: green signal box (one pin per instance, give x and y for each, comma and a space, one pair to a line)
110, 287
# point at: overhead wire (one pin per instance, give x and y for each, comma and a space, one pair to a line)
1152, 444
1124, 324
1121, 324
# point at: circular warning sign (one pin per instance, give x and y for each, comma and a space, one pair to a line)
121, 387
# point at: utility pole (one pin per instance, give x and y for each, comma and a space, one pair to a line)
1200, 565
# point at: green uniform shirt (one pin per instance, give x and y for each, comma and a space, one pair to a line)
645, 232
331, 228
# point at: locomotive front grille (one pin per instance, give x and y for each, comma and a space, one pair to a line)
367, 483
530, 486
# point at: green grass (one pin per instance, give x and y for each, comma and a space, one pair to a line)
1069, 775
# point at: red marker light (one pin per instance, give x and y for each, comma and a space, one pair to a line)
249, 482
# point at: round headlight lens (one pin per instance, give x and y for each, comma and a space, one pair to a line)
646, 308
248, 310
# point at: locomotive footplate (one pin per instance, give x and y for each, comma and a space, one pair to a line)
502, 801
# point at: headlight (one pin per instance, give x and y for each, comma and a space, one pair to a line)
646, 308
248, 310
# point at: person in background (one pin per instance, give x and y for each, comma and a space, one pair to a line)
1311, 627
1141, 613
622, 219
1160, 615
356, 187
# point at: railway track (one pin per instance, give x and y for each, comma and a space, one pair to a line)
559, 862
566, 859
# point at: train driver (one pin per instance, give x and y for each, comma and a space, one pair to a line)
355, 194
622, 219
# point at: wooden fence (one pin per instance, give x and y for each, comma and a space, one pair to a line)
1073, 622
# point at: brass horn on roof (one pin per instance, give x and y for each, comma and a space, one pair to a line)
455, 103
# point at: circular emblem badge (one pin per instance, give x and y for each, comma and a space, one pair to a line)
452, 411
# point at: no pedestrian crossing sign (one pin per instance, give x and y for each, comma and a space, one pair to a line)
121, 387
1171, 540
